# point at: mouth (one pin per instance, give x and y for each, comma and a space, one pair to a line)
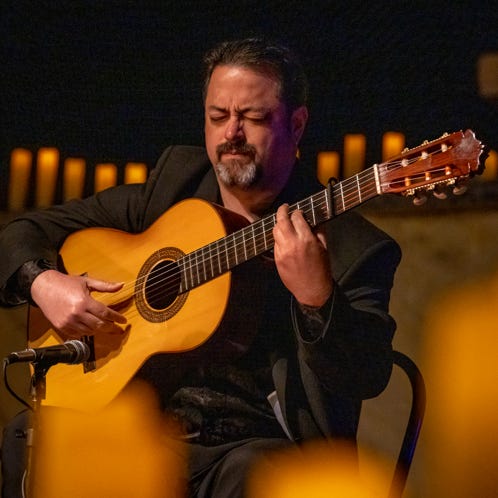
234, 153
231, 151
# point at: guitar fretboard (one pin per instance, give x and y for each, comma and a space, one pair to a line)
222, 255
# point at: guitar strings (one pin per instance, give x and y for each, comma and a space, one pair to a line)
198, 262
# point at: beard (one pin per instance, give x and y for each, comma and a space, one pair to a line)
237, 172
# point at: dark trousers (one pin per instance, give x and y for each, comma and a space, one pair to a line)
222, 471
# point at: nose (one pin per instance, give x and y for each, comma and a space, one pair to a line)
234, 129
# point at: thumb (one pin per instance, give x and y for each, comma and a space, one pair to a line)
102, 285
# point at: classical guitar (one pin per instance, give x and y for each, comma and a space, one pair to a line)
177, 273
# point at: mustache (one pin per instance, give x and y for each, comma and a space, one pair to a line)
235, 148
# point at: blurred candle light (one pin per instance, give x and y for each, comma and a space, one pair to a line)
20, 171
74, 178
319, 470
491, 167
461, 440
127, 449
393, 144
106, 175
327, 166
47, 164
135, 173
354, 153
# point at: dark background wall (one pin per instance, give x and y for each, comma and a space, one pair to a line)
120, 80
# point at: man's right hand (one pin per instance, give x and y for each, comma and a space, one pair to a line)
66, 301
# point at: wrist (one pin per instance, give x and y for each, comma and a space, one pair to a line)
27, 274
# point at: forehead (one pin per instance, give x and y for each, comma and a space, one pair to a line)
229, 83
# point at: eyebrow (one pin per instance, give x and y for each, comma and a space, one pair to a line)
263, 110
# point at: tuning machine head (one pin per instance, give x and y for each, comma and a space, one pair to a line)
460, 188
419, 198
439, 192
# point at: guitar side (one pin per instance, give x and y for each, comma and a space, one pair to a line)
117, 256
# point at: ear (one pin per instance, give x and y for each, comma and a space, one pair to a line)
299, 119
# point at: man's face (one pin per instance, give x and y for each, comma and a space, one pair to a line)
250, 137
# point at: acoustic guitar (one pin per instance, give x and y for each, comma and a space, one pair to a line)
178, 272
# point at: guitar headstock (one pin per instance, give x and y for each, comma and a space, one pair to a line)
449, 160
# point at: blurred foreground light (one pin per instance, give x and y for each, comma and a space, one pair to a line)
461, 353
127, 450
319, 470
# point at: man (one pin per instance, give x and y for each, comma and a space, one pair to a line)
322, 342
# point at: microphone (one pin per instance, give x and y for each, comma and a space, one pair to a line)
72, 352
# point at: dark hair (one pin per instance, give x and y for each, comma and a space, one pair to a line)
262, 56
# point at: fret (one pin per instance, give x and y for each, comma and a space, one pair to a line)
343, 208
218, 256
198, 263
255, 247
328, 206
234, 250
211, 264
244, 244
358, 188
313, 213
227, 260
190, 267
263, 231
203, 258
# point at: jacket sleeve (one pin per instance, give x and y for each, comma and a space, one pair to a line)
352, 355
39, 235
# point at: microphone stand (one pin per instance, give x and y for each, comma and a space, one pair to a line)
38, 386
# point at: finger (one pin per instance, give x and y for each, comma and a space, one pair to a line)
283, 220
301, 226
103, 286
104, 313
322, 238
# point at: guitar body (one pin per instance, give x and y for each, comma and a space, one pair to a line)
183, 324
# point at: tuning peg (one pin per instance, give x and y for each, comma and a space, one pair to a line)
419, 198
460, 189
439, 193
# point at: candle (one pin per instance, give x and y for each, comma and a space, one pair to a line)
327, 166
74, 178
354, 153
105, 176
393, 144
491, 166
47, 165
20, 171
135, 173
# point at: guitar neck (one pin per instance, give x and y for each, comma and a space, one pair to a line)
224, 254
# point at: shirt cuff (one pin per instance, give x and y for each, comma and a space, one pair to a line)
27, 274
312, 320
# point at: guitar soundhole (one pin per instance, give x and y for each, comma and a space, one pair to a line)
158, 290
162, 285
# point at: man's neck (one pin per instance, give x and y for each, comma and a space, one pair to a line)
251, 203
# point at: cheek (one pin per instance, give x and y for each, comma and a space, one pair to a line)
280, 146
211, 141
